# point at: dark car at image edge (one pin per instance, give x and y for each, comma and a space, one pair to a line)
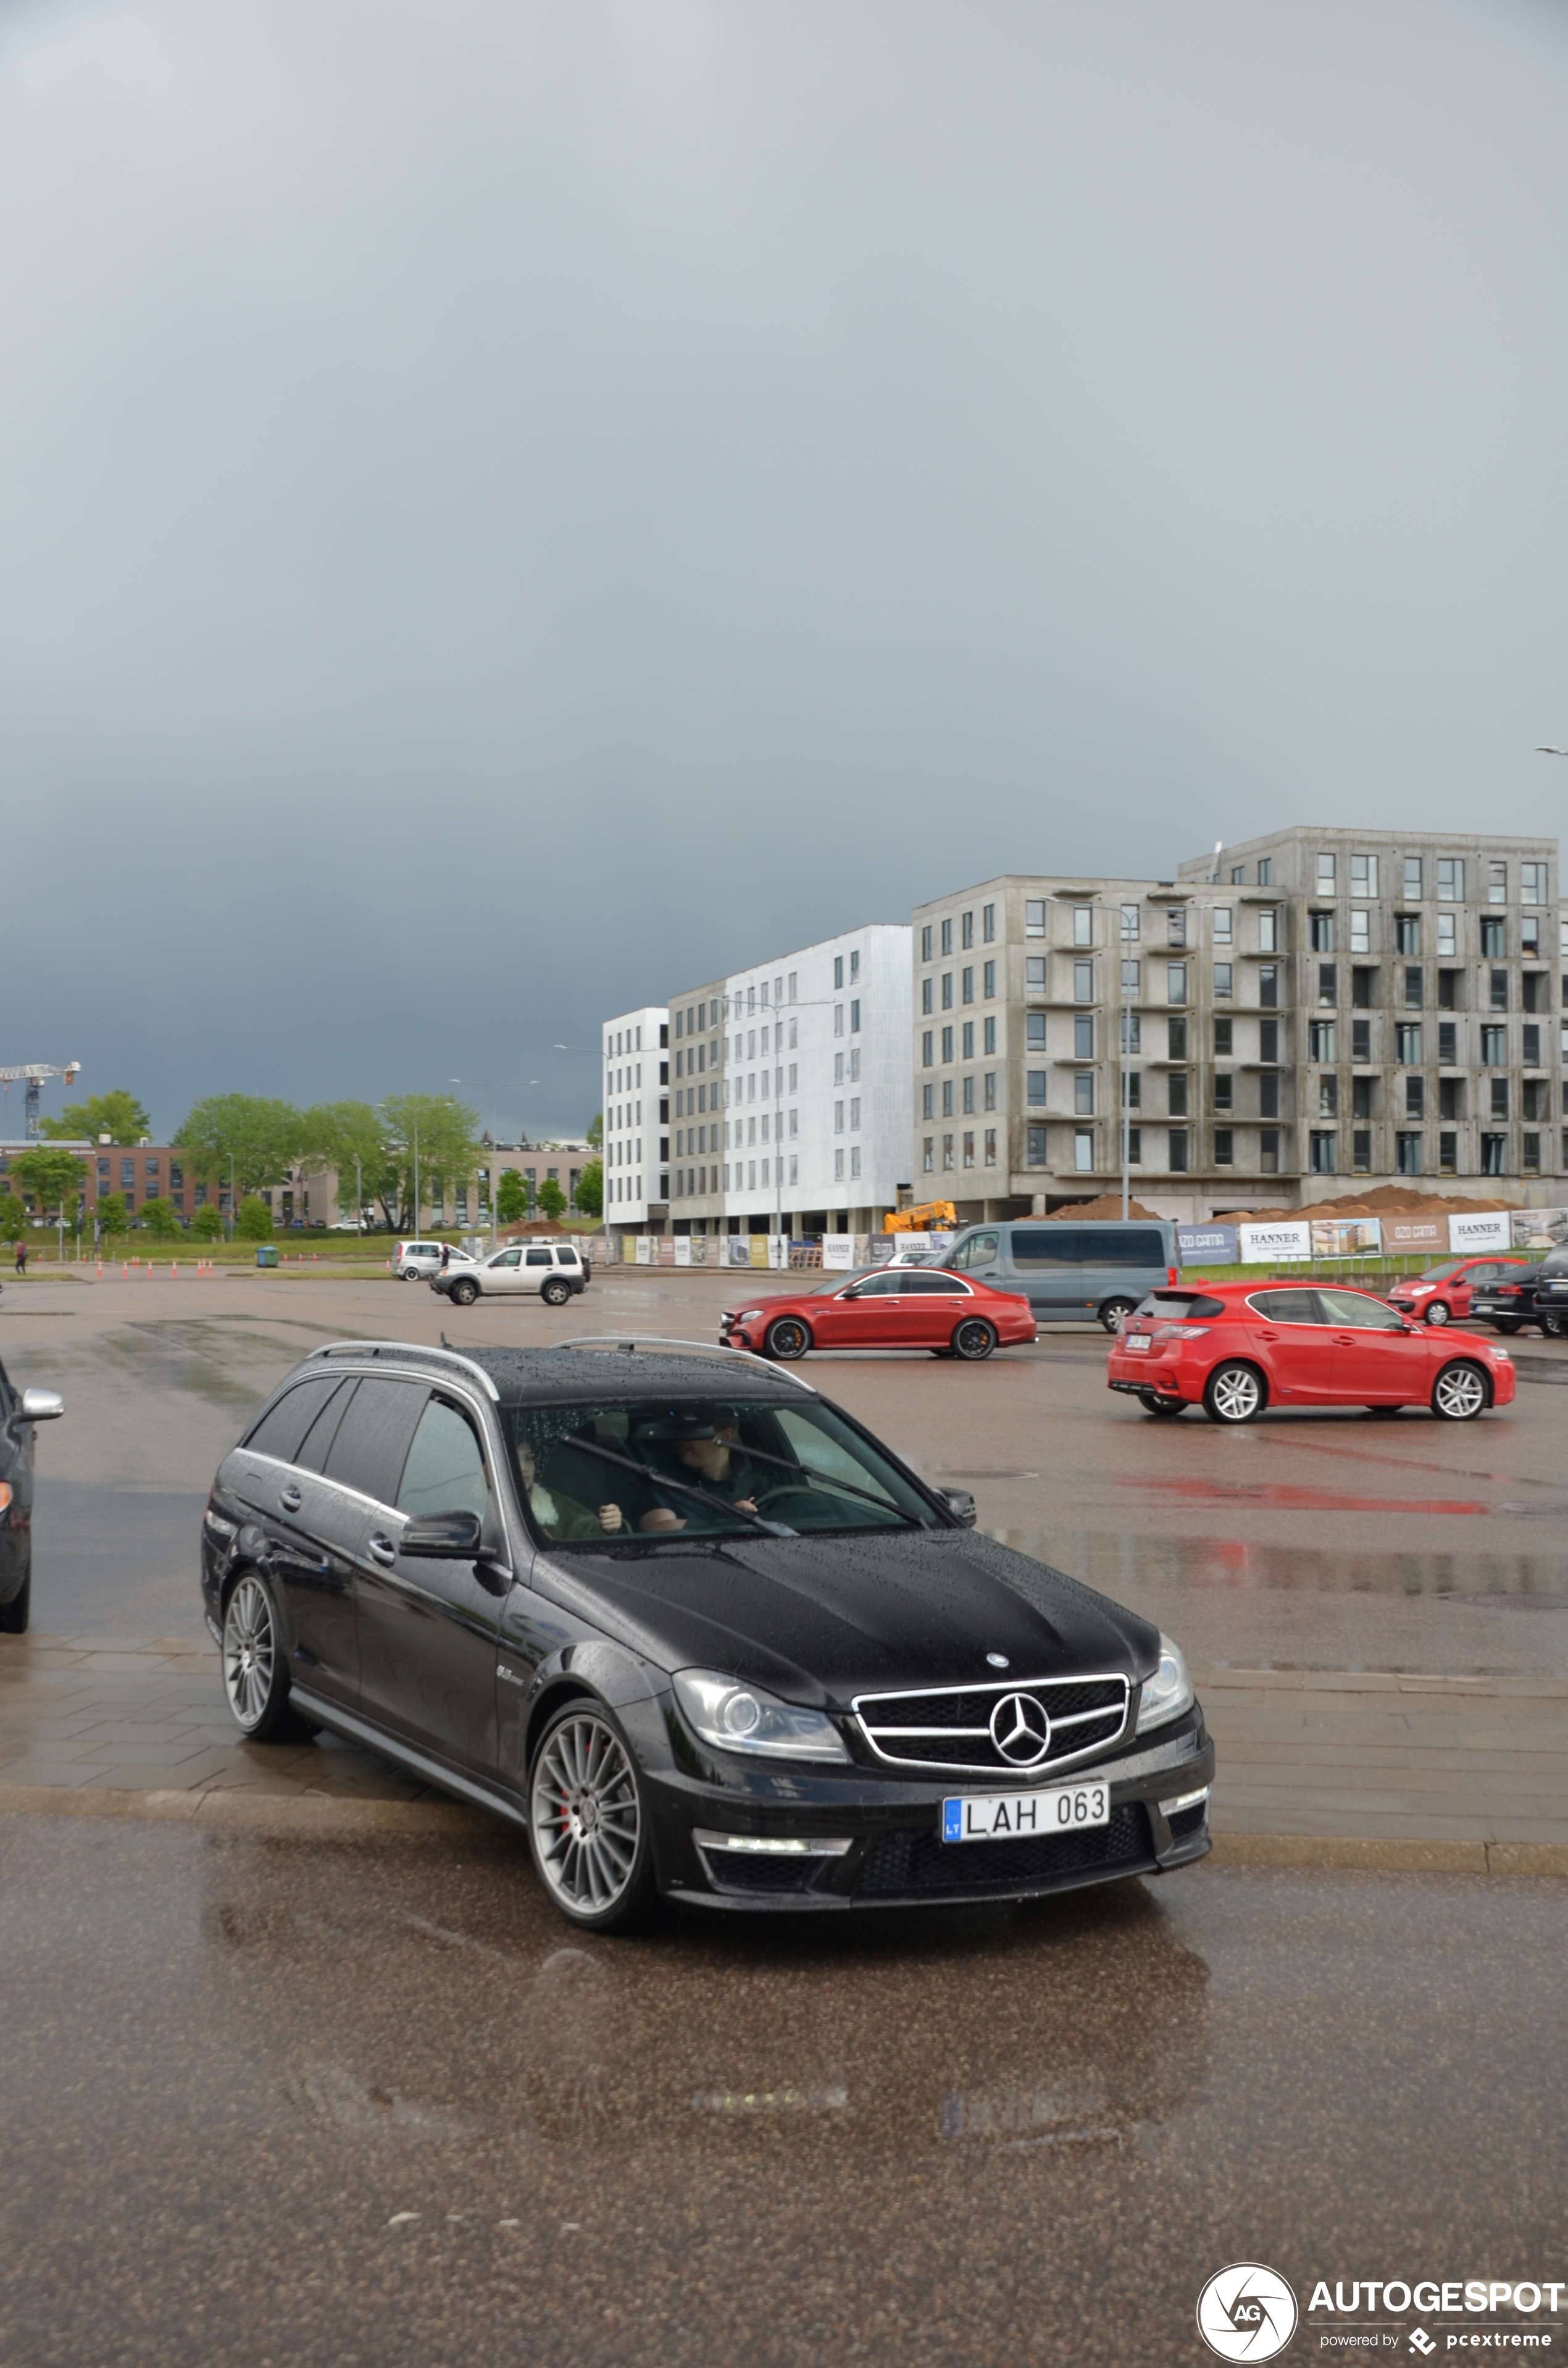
20, 1410
792, 1676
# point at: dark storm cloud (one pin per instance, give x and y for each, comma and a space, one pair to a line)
510, 509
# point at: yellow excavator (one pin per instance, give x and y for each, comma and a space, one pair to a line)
932, 1216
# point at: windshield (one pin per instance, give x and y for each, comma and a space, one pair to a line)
628, 1469
1441, 1273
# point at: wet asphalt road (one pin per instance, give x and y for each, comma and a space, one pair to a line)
282, 2102
1322, 1539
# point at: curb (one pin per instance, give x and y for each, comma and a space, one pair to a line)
320, 1816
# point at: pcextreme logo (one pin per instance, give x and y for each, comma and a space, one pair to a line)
1246, 2312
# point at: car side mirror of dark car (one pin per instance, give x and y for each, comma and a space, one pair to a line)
960, 1504
435, 1537
42, 1406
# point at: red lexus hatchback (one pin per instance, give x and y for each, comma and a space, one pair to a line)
1236, 1348
888, 1307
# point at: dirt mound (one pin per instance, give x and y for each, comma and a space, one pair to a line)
1387, 1201
1108, 1205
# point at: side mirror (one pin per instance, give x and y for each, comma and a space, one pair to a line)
439, 1537
42, 1406
960, 1504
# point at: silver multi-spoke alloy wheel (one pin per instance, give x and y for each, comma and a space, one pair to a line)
1234, 1393
1460, 1393
586, 1814
1439, 1312
250, 1653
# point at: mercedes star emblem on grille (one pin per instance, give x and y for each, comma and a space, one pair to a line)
1020, 1729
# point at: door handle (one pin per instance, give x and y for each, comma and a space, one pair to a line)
1345, 1340
289, 1499
1268, 1336
382, 1550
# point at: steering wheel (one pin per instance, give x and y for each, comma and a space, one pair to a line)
785, 1490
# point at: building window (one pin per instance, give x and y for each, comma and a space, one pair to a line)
1414, 986
1129, 924
969, 1147
1320, 1040
1328, 1095
1222, 976
1493, 948
1451, 879
1224, 1090
1268, 931
925, 943
1034, 1086
854, 1159
1361, 1150
1499, 1097
1267, 986
1132, 1030
1532, 884
1323, 1142
1407, 933
1034, 1030
1175, 1093
927, 1101
947, 1097
1448, 1043
967, 1095
1447, 940
1082, 1036
854, 1115
1328, 981
1493, 1150
990, 1147
1530, 1151
927, 1044
838, 1166
1499, 987
1175, 981
1034, 974
989, 1095
1531, 1047
1224, 1039
1266, 872
1407, 1044
1176, 926
838, 1117
948, 935
928, 1154
1084, 1151
1325, 874
988, 923
1321, 939
1176, 1040
988, 981
855, 1017
946, 1045
988, 1031
946, 990
1269, 1145
1132, 978
1497, 893
1238, 875
1178, 1151
1082, 1092
947, 1151
1414, 1097
1224, 1147
1223, 924
1360, 930
1529, 937
1083, 982
1034, 916
1034, 1146
967, 929
1494, 1048
838, 1018
927, 994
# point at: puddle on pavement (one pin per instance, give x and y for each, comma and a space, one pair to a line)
1115, 1561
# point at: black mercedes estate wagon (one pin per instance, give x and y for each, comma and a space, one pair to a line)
694, 1628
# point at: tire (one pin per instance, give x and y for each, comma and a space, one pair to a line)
1460, 1392
464, 1294
256, 1665
1234, 1393
1153, 1403
1115, 1313
973, 1339
555, 1292
411, 1274
1551, 1327
588, 1824
1507, 1325
1438, 1313
786, 1337
14, 1615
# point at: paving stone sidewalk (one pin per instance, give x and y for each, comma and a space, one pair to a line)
1468, 1768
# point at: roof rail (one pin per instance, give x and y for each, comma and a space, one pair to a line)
407, 1349
665, 1340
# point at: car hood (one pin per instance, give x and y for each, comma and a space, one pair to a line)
820, 1620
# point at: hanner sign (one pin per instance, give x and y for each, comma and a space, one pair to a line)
1263, 1243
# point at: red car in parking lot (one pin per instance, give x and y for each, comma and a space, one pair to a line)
888, 1307
1441, 1294
1237, 1347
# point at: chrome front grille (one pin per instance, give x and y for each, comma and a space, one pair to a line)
1023, 1726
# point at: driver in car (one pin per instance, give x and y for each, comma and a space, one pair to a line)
701, 1446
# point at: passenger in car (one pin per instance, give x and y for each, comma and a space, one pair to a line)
560, 1516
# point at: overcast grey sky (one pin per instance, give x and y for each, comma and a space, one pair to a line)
513, 507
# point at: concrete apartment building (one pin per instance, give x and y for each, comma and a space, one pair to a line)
1315, 1004
789, 1090
636, 1116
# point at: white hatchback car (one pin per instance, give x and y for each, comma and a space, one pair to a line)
417, 1262
552, 1269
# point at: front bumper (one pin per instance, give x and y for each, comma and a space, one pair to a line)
887, 1831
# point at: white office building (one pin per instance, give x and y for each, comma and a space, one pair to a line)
635, 1109
789, 1090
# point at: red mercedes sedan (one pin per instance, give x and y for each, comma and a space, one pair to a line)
1236, 1348
1441, 1293
887, 1307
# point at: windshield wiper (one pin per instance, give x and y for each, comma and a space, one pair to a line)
683, 1488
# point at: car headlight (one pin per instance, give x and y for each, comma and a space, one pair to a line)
1168, 1693
738, 1717
747, 1316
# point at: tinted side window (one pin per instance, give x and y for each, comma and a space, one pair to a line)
883, 1286
317, 1441
1286, 1306
1183, 1308
373, 1438
538, 1257
566, 1257
929, 1285
444, 1471
979, 1250
1048, 1246
280, 1431
1126, 1246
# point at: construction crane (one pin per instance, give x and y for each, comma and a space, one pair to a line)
35, 1072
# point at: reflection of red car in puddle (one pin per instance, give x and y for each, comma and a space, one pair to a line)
1236, 1348
891, 1308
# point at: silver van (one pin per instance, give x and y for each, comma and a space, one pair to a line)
1068, 1271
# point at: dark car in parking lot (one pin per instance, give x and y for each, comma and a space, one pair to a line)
1550, 1303
1531, 1294
691, 1627
20, 1411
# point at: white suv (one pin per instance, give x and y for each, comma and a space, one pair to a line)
552, 1269
416, 1262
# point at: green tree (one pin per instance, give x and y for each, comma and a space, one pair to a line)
112, 1212
595, 1134
552, 1200
13, 1216
159, 1219
254, 1222
207, 1225
335, 1135
438, 1132
591, 1189
511, 1200
50, 1179
263, 1138
118, 1114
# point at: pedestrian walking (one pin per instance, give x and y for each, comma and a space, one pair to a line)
21, 1258
446, 1256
